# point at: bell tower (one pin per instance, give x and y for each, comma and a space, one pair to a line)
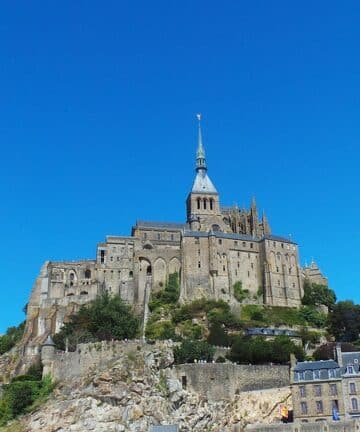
203, 207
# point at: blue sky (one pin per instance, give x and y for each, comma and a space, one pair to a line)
98, 129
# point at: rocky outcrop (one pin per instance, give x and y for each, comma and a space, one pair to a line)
139, 390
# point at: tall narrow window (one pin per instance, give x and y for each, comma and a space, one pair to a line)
317, 390
211, 203
303, 406
102, 256
302, 391
354, 404
319, 407
333, 390
198, 203
352, 389
205, 203
87, 274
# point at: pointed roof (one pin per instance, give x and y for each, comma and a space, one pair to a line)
48, 342
202, 182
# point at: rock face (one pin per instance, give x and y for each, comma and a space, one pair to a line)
139, 390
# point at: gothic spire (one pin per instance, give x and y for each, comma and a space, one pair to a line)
202, 183
200, 152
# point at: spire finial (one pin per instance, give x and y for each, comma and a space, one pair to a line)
200, 153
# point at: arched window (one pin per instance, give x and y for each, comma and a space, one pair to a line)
72, 276
131, 274
148, 270
215, 228
354, 404
205, 201
211, 203
198, 203
87, 274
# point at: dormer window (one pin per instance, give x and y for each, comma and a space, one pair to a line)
350, 369
332, 373
300, 376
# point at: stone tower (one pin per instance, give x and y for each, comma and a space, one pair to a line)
203, 206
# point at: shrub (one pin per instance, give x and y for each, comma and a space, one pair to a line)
317, 295
189, 330
258, 350
313, 316
160, 330
105, 318
218, 335
239, 293
21, 395
189, 351
170, 295
12, 335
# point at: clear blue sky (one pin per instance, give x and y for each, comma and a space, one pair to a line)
98, 128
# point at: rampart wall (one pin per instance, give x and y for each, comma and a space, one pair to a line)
213, 380
225, 380
87, 357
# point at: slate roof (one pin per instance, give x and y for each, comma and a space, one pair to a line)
164, 428
278, 238
316, 365
219, 234
352, 358
253, 331
203, 184
160, 225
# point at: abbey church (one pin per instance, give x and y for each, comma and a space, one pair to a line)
214, 249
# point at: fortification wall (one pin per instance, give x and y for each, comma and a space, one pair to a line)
224, 380
87, 357
212, 380
323, 426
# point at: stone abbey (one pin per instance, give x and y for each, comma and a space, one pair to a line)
213, 250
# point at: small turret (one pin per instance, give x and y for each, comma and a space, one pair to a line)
48, 356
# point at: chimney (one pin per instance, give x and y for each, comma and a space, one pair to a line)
293, 360
338, 354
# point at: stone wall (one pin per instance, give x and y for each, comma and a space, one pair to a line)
224, 380
339, 426
67, 365
212, 380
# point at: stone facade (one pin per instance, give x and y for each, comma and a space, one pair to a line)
215, 248
320, 387
323, 426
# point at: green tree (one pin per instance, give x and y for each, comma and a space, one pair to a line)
344, 321
317, 295
190, 350
328, 350
11, 337
105, 318
258, 350
218, 335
